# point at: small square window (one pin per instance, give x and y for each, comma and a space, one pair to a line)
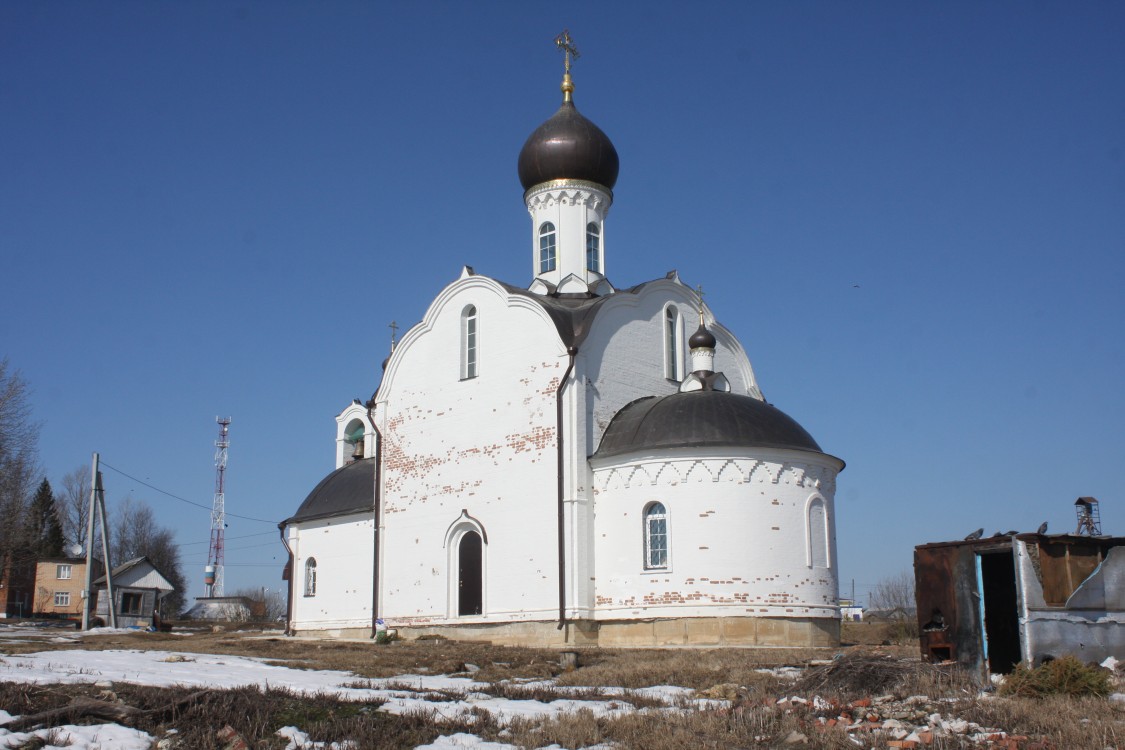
62, 572
62, 598
131, 604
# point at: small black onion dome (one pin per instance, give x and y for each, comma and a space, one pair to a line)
568, 147
702, 419
701, 339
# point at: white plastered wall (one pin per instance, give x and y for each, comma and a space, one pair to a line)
342, 547
738, 528
623, 355
483, 446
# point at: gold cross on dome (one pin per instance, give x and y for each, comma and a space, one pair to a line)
566, 44
699, 291
394, 330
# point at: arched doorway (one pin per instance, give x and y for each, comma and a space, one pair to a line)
470, 589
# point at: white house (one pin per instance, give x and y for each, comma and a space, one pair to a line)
570, 463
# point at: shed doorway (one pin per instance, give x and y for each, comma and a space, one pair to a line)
470, 578
996, 572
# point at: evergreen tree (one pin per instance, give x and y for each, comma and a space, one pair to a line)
46, 535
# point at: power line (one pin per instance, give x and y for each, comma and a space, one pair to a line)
244, 536
183, 499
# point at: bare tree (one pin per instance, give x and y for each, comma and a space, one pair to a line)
266, 605
135, 533
73, 502
894, 592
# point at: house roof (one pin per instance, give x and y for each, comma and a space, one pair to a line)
135, 568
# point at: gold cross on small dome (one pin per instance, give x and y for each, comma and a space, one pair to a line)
566, 44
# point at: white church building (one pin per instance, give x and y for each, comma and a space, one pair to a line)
569, 463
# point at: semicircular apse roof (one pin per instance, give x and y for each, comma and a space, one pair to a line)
349, 489
702, 419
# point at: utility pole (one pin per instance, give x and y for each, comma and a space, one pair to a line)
87, 595
97, 506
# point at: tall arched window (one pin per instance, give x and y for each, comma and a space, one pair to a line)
310, 577
817, 534
671, 343
469, 342
656, 536
593, 248
547, 247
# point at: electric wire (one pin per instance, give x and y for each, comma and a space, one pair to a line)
182, 499
230, 538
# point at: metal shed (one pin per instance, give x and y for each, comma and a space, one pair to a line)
992, 603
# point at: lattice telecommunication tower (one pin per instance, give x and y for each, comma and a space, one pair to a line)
1089, 517
213, 573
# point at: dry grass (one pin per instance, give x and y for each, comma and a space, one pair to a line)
750, 719
255, 715
718, 729
857, 674
694, 668
1067, 722
1063, 676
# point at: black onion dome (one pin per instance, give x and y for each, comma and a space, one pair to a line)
349, 489
702, 419
568, 147
701, 338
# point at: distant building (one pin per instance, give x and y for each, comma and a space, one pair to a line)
850, 611
891, 614
58, 586
138, 590
224, 609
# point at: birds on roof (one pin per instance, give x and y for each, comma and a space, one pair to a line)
1042, 528
975, 535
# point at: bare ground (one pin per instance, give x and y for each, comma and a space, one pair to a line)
839, 699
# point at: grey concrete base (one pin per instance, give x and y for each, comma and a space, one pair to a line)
685, 631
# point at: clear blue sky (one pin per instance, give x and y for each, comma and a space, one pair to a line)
912, 214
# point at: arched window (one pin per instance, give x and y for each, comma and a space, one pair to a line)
671, 343
470, 575
310, 577
817, 534
656, 536
547, 248
593, 248
469, 342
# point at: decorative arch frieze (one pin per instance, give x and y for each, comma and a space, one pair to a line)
719, 470
698, 472
731, 472
565, 197
666, 474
